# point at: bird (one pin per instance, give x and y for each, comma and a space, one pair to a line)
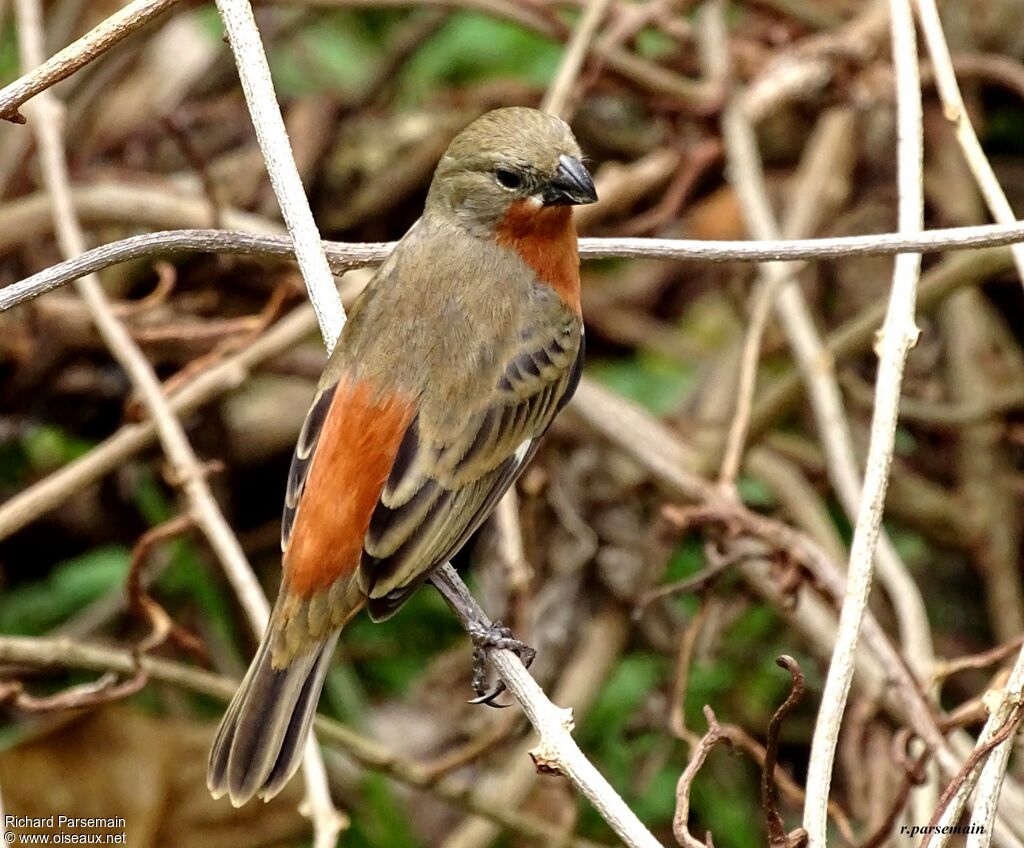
454, 361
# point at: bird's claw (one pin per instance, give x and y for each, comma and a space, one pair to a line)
496, 636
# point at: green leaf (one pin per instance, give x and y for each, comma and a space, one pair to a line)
47, 447
32, 609
472, 47
334, 54
652, 381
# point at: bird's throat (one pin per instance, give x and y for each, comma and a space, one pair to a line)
545, 239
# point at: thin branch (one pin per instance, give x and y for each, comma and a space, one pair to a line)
898, 336
161, 626
681, 677
556, 100
956, 113
681, 818
948, 414
815, 182
254, 74
90, 46
855, 336
556, 751
343, 256
777, 836
914, 773
103, 690
947, 668
1009, 702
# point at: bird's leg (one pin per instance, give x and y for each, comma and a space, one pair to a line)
486, 636
494, 636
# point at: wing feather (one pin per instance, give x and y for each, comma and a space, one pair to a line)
309, 436
461, 467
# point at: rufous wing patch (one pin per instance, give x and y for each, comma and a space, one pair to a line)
545, 239
354, 454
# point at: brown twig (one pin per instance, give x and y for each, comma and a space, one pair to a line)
681, 517
173, 125
777, 836
474, 749
947, 668
680, 820
684, 655
162, 626
101, 691
90, 46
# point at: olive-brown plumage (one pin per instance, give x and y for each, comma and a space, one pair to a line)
453, 363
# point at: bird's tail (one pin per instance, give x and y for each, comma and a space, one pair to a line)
262, 736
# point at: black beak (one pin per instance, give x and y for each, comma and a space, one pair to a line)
572, 184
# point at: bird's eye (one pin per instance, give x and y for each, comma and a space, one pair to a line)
508, 179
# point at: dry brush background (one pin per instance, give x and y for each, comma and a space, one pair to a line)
688, 520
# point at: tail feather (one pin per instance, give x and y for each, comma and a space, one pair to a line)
262, 736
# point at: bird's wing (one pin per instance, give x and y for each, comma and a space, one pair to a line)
345, 451
450, 472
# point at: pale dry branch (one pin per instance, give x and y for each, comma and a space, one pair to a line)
343, 256
954, 798
258, 87
158, 204
899, 334
956, 113
556, 100
1004, 704
186, 466
815, 363
90, 46
556, 752
817, 366
595, 653
823, 165
260, 97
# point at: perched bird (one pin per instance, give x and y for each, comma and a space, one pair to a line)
454, 361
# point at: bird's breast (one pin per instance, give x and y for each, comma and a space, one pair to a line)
545, 240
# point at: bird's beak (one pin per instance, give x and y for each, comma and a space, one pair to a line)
572, 184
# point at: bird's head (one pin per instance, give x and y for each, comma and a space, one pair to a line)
513, 158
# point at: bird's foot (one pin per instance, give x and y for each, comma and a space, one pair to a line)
496, 636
